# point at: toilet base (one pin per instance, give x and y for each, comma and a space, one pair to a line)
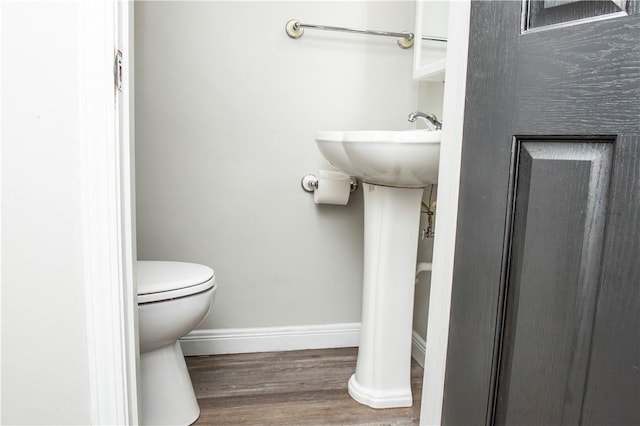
168, 396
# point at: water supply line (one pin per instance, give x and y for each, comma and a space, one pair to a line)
428, 232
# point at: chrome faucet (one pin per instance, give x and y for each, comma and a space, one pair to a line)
431, 118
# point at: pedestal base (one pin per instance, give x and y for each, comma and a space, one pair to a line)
375, 398
383, 368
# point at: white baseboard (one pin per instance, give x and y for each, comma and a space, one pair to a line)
273, 339
270, 339
418, 348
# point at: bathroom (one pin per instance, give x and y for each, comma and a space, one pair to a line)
226, 111
227, 108
223, 124
223, 131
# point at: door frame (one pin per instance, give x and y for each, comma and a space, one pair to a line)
107, 213
448, 191
109, 224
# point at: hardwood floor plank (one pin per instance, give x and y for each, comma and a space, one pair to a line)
289, 388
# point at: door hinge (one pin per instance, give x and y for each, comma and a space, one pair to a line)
118, 71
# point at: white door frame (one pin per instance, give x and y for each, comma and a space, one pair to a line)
448, 190
107, 212
108, 223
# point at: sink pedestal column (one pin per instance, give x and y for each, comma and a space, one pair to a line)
383, 370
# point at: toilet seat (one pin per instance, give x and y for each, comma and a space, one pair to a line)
161, 280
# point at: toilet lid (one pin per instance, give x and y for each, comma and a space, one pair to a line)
162, 280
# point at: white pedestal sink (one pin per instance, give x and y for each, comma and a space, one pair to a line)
394, 167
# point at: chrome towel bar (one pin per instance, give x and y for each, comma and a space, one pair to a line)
434, 38
295, 29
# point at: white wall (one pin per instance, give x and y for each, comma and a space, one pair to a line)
45, 377
226, 111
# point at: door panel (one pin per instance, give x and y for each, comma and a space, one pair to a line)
557, 240
545, 305
540, 14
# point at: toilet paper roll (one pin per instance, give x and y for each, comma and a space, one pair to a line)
333, 188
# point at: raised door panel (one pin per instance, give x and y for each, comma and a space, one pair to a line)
542, 14
557, 238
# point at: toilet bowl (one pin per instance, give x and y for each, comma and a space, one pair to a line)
173, 298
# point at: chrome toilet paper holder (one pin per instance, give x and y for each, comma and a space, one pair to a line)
310, 183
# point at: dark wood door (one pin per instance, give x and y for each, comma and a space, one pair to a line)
545, 315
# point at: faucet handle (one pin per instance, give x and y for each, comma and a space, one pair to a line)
431, 118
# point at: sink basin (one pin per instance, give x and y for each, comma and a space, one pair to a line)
405, 158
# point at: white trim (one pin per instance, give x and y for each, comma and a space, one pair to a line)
448, 190
418, 348
1, 174
126, 144
270, 339
107, 277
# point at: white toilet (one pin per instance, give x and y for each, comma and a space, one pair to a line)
173, 298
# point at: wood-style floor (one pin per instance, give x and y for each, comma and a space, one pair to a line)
289, 388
